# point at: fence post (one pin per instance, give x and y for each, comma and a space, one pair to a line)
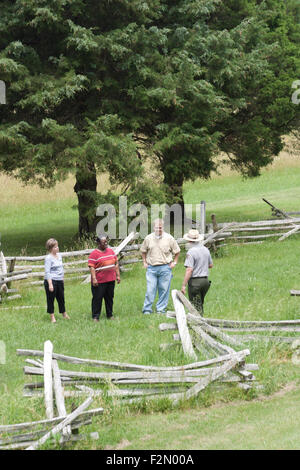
203, 217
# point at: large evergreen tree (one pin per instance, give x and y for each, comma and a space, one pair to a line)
235, 63
71, 68
94, 86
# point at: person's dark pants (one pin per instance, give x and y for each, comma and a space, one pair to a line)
104, 290
58, 294
197, 289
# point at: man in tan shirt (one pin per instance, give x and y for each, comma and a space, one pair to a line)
158, 250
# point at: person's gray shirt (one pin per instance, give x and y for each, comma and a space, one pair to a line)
54, 268
198, 257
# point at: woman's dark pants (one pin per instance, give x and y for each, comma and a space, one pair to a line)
197, 289
104, 290
58, 294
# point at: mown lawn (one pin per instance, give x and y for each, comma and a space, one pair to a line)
240, 425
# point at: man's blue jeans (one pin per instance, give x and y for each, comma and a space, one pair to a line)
158, 279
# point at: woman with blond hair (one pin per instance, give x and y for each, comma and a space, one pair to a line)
54, 280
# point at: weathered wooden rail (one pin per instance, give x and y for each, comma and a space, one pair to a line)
213, 337
258, 231
65, 423
28, 268
128, 382
196, 333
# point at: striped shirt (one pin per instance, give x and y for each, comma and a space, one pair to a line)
103, 259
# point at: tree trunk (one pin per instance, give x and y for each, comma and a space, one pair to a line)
175, 185
86, 190
175, 194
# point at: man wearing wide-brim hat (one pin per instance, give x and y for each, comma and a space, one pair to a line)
197, 263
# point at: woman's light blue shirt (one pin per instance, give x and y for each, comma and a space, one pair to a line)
54, 268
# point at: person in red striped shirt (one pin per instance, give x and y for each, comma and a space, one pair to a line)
104, 268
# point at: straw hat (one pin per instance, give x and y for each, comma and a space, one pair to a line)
194, 236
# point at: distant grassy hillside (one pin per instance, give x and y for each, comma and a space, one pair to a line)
29, 215
231, 197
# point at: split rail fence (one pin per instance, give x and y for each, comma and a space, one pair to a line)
213, 337
32, 435
128, 383
257, 231
132, 383
30, 270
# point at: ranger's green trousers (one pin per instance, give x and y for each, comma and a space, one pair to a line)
197, 289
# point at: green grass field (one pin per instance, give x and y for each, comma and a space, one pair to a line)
233, 198
248, 282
